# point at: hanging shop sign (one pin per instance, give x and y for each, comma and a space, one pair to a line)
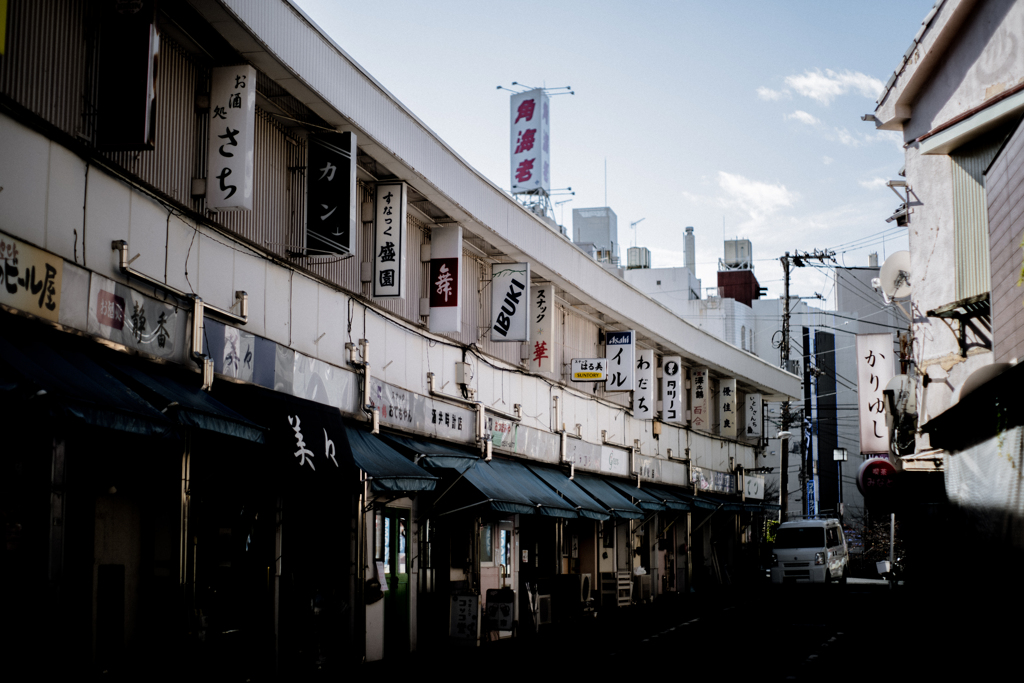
137, 321
614, 460
542, 328
700, 406
643, 395
753, 486
752, 424
671, 384
874, 370
589, 370
530, 142
331, 194
712, 480
389, 240
583, 454
648, 468
502, 433
620, 350
446, 279
30, 279
510, 305
229, 165
876, 478
422, 414
727, 408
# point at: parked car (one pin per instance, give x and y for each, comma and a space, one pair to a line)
810, 551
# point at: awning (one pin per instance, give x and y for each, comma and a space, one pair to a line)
387, 468
585, 505
430, 454
726, 504
314, 441
507, 486
612, 500
701, 502
644, 500
671, 500
189, 406
40, 369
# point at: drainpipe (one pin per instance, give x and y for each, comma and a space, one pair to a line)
362, 360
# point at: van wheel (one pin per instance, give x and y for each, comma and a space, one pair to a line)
846, 574
828, 576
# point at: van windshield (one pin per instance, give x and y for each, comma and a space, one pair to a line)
800, 537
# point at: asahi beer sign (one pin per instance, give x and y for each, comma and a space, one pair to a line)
510, 305
874, 370
671, 382
643, 395
229, 165
621, 356
389, 244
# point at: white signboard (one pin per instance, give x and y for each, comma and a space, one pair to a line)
542, 322
30, 278
614, 460
446, 279
700, 416
671, 389
874, 370
752, 424
753, 486
530, 142
589, 370
510, 304
229, 164
620, 350
727, 411
389, 247
139, 322
643, 395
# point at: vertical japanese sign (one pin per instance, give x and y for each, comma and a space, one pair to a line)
621, 356
671, 384
229, 164
446, 279
727, 408
542, 324
331, 194
700, 415
389, 246
643, 395
510, 304
874, 370
30, 278
752, 424
126, 77
530, 142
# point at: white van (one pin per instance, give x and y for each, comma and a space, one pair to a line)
810, 551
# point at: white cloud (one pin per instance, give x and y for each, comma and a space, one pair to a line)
892, 137
757, 199
825, 87
803, 117
846, 138
827, 160
772, 95
872, 184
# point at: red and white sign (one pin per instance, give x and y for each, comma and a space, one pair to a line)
531, 142
542, 328
876, 477
446, 279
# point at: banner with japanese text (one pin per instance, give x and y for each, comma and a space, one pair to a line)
137, 321
752, 418
700, 406
874, 370
530, 142
331, 194
30, 278
620, 351
229, 166
446, 279
671, 389
727, 408
643, 395
542, 332
389, 243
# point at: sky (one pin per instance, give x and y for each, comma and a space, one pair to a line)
741, 118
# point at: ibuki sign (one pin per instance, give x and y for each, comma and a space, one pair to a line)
229, 165
510, 305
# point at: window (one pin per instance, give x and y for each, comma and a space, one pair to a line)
486, 543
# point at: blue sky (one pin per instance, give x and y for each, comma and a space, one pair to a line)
742, 114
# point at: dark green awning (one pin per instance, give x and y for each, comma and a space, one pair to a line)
61, 377
698, 502
613, 501
387, 468
188, 404
585, 505
672, 500
431, 454
644, 499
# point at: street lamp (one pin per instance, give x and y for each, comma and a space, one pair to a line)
839, 455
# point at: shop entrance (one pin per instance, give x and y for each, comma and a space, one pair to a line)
394, 535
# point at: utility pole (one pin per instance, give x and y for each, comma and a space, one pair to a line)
797, 260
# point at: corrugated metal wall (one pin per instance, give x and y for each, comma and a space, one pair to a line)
43, 64
971, 217
1004, 186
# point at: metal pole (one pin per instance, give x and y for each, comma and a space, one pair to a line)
784, 483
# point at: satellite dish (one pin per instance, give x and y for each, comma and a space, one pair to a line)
979, 377
895, 275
